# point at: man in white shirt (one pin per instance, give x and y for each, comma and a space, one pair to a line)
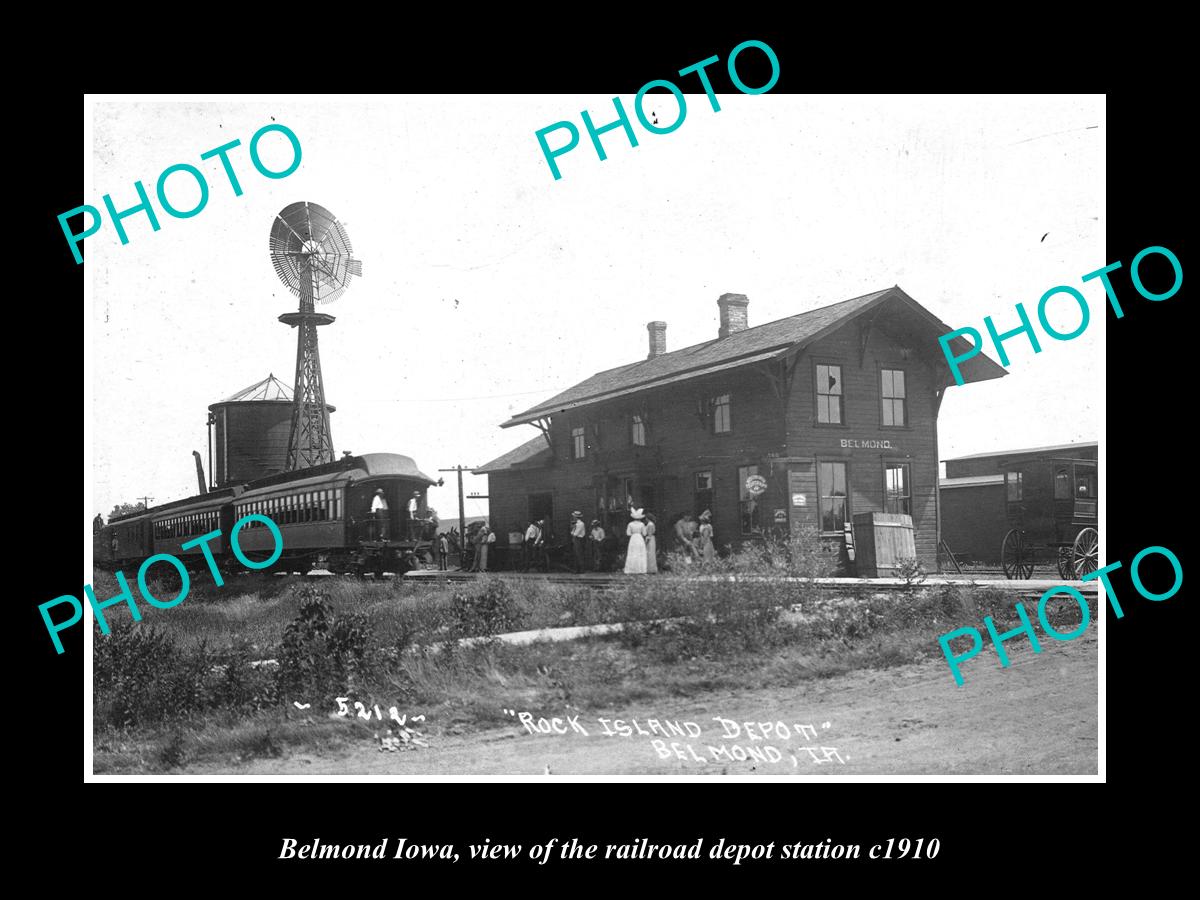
414, 525
379, 512
533, 537
578, 540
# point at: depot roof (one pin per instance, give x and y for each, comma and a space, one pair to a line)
761, 343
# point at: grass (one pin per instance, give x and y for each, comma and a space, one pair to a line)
177, 690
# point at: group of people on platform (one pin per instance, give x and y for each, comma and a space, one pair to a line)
695, 537
592, 548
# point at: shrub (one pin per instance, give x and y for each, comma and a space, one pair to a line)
321, 654
139, 675
685, 619
489, 607
801, 554
239, 686
911, 569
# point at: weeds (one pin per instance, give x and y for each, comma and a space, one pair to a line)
398, 647
802, 554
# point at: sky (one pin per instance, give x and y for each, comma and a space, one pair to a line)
489, 286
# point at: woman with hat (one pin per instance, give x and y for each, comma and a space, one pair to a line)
708, 552
635, 553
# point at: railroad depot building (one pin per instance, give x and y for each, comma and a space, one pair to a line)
976, 489
835, 409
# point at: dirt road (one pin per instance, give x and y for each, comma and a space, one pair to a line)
1039, 716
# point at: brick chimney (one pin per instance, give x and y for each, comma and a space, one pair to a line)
658, 338
733, 314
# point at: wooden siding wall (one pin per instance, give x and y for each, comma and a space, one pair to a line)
973, 521
780, 436
915, 443
678, 446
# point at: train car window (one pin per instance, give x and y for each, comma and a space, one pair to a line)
1062, 483
1012, 484
1085, 484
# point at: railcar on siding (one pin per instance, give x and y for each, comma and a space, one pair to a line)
323, 513
176, 524
123, 541
1051, 506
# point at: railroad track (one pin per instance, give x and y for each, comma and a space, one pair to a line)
1031, 589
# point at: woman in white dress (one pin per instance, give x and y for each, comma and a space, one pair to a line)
651, 547
635, 553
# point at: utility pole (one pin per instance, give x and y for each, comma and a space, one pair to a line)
145, 501
462, 510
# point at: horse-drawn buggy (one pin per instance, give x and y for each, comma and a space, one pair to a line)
1051, 506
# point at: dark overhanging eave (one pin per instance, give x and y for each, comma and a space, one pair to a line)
540, 412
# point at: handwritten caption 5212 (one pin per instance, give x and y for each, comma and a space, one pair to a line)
751, 738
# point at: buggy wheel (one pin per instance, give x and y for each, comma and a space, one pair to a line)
1085, 552
1066, 562
1016, 556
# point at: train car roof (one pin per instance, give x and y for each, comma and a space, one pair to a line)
343, 472
126, 518
199, 503
392, 464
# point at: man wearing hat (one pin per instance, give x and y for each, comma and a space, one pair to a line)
578, 540
379, 511
533, 537
414, 525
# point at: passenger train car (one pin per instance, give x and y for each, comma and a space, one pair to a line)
324, 514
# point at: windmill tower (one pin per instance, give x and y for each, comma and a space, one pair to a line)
311, 252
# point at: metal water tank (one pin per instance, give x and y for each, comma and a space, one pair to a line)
249, 432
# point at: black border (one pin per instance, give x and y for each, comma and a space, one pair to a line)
987, 831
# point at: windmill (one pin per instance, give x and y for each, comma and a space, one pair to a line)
311, 252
